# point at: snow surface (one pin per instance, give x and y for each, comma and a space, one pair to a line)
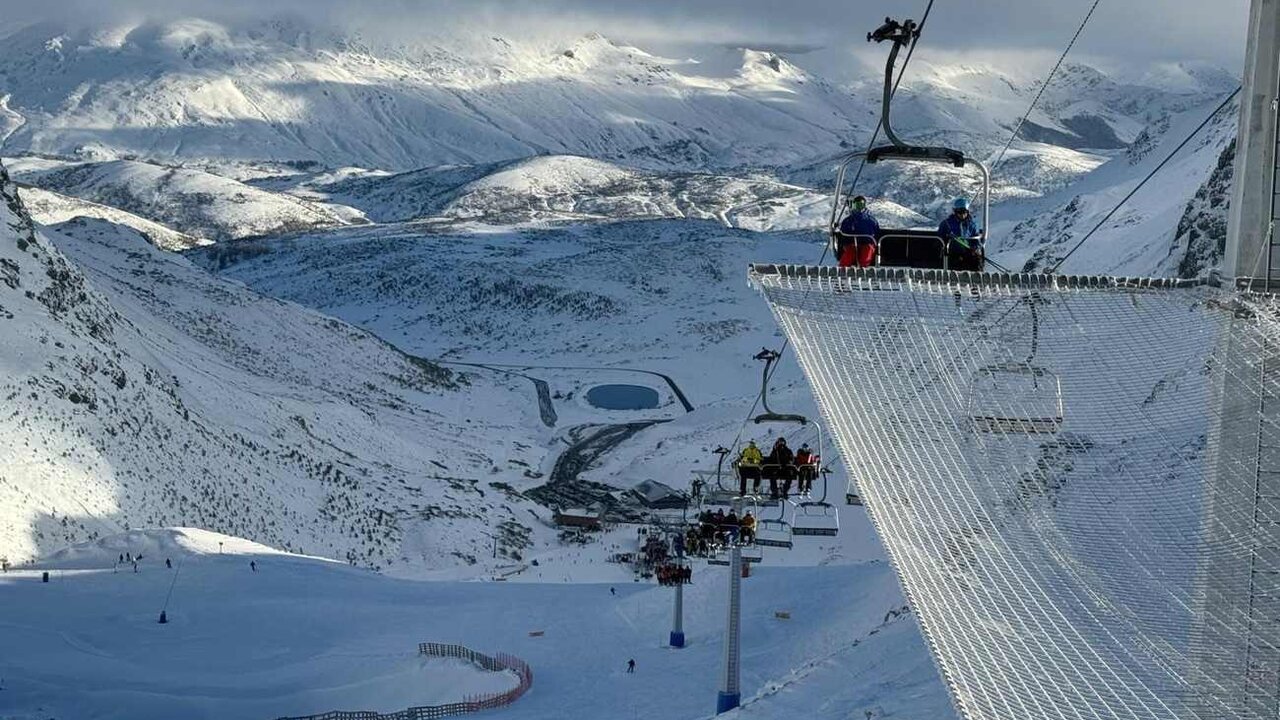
240, 644
150, 393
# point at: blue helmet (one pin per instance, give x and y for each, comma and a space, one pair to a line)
960, 204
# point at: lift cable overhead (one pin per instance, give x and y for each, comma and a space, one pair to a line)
1017, 129
1107, 218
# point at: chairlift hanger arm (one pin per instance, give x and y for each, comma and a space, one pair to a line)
901, 34
770, 357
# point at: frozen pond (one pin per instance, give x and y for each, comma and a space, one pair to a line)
623, 397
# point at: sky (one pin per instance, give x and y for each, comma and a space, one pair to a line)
1138, 31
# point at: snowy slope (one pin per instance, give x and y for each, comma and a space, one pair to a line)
50, 208
1151, 233
240, 643
201, 204
662, 295
146, 392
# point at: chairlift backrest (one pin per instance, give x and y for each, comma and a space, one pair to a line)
912, 248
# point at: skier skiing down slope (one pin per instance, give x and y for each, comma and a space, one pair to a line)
965, 237
859, 233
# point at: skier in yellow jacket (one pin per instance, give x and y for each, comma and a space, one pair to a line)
749, 461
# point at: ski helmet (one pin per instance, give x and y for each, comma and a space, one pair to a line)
960, 204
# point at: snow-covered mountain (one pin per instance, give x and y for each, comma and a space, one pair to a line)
289, 91
1174, 225
195, 131
204, 205
140, 391
280, 91
576, 189
51, 208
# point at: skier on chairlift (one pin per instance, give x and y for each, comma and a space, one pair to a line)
747, 525
859, 233
781, 463
965, 237
805, 470
749, 468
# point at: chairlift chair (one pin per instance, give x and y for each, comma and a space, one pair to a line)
816, 517
716, 494
924, 249
774, 532
1016, 398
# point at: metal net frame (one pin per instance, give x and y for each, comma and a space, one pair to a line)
1073, 476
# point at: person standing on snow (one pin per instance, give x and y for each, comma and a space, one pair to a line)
631, 665
859, 234
964, 236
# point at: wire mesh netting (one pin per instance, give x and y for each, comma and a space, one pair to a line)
1078, 479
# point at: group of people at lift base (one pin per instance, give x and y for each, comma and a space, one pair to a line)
656, 554
780, 467
860, 235
656, 559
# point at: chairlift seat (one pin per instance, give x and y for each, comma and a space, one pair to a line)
773, 533
722, 558
1016, 398
780, 418
815, 518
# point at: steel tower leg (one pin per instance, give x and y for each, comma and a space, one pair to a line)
730, 689
677, 620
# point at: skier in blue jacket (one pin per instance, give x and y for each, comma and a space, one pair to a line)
965, 236
859, 232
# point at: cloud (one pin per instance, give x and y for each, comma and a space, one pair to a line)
1139, 31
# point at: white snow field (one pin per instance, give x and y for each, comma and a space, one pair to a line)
305, 635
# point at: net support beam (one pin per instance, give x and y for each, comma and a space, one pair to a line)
1253, 205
